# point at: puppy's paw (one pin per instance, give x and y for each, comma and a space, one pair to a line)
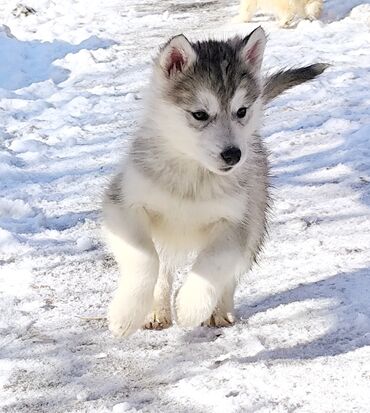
158, 320
124, 320
194, 303
219, 319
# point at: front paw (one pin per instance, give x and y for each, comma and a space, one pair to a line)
158, 320
123, 320
219, 319
194, 303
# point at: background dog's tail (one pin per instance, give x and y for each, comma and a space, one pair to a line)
285, 79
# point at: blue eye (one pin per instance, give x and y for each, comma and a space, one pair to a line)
241, 113
200, 115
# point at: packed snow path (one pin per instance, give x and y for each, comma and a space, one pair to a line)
71, 83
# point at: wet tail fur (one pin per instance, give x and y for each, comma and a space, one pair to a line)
285, 79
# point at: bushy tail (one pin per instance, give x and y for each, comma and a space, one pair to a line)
285, 79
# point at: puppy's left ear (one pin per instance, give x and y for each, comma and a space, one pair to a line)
252, 49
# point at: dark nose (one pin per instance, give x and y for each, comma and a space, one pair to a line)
231, 155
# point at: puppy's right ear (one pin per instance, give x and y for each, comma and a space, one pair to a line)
177, 56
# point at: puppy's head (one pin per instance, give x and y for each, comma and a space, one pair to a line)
206, 98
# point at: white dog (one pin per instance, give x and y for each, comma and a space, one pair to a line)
285, 10
194, 180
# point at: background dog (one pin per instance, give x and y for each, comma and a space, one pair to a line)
285, 10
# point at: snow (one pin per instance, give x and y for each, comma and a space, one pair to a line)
122, 407
84, 243
71, 87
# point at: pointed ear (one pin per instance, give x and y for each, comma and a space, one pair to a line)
177, 56
253, 47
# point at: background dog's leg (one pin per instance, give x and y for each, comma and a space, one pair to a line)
223, 314
285, 19
214, 269
160, 317
286, 12
247, 9
313, 9
128, 235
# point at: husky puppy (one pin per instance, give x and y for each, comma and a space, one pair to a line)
284, 10
195, 180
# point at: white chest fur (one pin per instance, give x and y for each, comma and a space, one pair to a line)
178, 221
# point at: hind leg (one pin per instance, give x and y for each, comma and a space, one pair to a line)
160, 317
286, 18
223, 314
313, 9
247, 9
285, 13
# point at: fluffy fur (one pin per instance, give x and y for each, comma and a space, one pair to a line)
284, 10
178, 193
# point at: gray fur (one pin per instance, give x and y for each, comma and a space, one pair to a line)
217, 68
114, 190
283, 80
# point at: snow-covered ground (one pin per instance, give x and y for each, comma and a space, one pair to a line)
71, 83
